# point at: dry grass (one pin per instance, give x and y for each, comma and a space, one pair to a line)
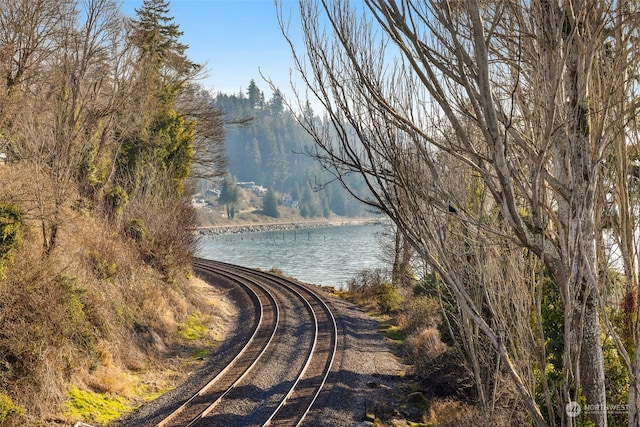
453, 413
419, 313
440, 375
110, 379
422, 349
91, 314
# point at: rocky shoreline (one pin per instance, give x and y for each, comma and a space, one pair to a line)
280, 226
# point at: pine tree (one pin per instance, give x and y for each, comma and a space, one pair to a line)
256, 96
276, 103
157, 37
160, 146
270, 204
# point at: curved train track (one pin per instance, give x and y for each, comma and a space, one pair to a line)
296, 395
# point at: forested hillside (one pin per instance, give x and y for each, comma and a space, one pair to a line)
102, 130
270, 150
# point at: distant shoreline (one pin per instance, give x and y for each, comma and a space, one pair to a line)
280, 226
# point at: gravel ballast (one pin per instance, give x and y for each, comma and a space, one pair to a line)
364, 370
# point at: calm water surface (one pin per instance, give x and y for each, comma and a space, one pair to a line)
324, 256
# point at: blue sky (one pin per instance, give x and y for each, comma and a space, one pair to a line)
236, 39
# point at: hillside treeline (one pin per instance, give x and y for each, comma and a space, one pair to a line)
271, 149
101, 128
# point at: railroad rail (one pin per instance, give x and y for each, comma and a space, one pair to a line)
292, 405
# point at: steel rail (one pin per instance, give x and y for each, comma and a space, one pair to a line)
232, 271
293, 414
302, 394
176, 418
279, 417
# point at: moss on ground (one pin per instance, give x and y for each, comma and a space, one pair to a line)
193, 329
8, 408
391, 332
95, 407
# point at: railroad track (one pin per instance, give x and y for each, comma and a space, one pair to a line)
285, 400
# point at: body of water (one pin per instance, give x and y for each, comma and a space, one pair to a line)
324, 256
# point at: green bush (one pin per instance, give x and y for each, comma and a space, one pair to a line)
11, 221
388, 298
136, 230
8, 408
616, 380
77, 328
102, 267
116, 200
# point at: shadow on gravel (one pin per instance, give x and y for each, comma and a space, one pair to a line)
225, 421
361, 331
365, 369
233, 411
251, 393
347, 393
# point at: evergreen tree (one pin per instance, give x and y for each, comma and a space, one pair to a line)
295, 192
157, 37
324, 204
158, 145
310, 202
256, 96
276, 103
338, 204
229, 196
270, 204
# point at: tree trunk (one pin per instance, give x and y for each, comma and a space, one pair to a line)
634, 392
592, 363
582, 180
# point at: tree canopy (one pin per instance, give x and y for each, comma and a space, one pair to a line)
271, 151
270, 204
508, 125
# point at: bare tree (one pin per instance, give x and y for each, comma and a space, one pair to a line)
210, 157
60, 115
515, 93
27, 33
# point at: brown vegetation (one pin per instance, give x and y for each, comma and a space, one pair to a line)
101, 125
93, 314
441, 390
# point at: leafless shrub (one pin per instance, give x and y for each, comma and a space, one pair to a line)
419, 313
365, 284
168, 222
453, 413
